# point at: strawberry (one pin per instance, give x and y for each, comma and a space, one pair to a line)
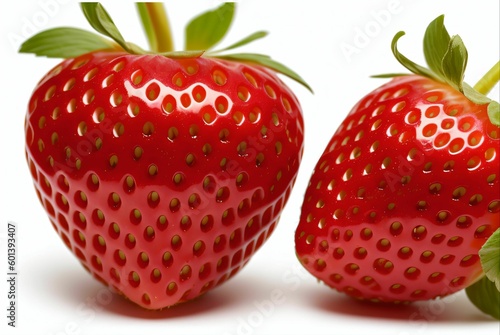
407, 191
163, 172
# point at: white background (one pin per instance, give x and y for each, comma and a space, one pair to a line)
57, 296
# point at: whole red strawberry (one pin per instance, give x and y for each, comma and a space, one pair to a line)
162, 172
407, 191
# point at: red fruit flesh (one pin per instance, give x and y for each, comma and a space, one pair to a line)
162, 176
404, 196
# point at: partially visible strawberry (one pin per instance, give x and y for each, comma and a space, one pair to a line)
407, 191
163, 173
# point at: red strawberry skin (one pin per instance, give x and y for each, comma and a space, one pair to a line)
404, 196
163, 176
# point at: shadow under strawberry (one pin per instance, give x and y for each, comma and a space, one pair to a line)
453, 309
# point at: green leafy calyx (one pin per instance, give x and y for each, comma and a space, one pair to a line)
485, 294
446, 57
65, 43
201, 35
207, 29
490, 258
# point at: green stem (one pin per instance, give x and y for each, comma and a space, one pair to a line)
155, 22
489, 80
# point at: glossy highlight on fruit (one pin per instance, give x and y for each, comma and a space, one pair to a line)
404, 196
404, 203
163, 173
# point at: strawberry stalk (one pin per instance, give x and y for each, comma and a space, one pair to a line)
156, 26
489, 80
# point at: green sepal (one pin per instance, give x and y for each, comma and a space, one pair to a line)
485, 296
489, 254
411, 66
65, 43
436, 41
183, 54
202, 33
447, 60
207, 29
268, 62
480, 99
494, 113
100, 20
389, 75
474, 95
454, 63
250, 38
